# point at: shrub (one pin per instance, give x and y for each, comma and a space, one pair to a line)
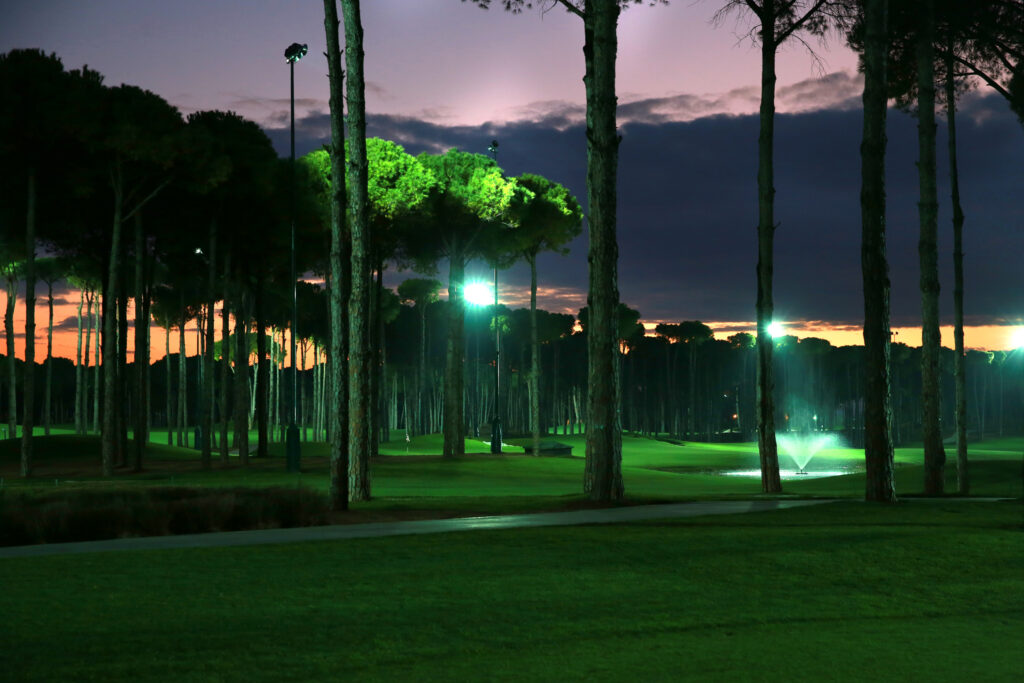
93, 514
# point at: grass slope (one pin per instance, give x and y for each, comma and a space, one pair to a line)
848, 591
414, 474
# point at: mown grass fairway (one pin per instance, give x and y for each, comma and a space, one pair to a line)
415, 476
848, 591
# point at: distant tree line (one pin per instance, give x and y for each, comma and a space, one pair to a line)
172, 216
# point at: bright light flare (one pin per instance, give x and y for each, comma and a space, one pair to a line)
1017, 338
776, 329
479, 293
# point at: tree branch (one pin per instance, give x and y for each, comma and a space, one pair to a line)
798, 24
572, 8
142, 203
975, 71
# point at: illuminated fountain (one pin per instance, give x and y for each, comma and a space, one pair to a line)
802, 447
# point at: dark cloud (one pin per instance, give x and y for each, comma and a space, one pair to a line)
688, 206
68, 324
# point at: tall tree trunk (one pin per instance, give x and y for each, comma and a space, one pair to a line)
303, 402
272, 389
959, 370
47, 400
141, 347
225, 352
96, 370
376, 351
767, 447
123, 384
29, 381
534, 359
931, 398
242, 380
209, 389
79, 372
603, 469
454, 433
170, 377
109, 436
421, 376
338, 487
878, 446
12, 367
182, 381
262, 373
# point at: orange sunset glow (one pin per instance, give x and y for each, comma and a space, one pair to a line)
980, 337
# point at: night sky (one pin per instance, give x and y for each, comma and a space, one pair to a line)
445, 74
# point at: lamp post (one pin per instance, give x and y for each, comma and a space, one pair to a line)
479, 294
292, 54
496, 422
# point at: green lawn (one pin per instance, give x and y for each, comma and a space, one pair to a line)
848, 591
652, 470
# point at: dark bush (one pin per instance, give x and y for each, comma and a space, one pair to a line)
92, 514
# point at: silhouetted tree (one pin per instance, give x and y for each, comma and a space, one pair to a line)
51, 271
420, 292
778, 21
603, 472
34, 98
548, 221
878, 445
471, 196
340, 278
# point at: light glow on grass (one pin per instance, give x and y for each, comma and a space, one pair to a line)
788, 474
479, 293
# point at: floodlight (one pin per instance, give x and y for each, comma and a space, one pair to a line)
479, 293
1017, 338
295, 52
775, 329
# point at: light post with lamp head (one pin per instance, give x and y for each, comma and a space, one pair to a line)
292, 54
479, 293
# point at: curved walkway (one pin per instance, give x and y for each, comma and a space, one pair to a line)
432, 526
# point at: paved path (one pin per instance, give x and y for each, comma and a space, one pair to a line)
432, 526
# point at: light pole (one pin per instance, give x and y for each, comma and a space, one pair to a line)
496, 422
478, 293
292, 54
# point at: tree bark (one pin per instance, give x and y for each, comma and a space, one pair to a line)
338, 487
242, 380
603, 468
359, 302
421, 376
209, 391
959, 369
28, 381
141, 347
766, 445
534, 360
123, 380
262, 374
454, 433
376, 365
225, 352
182, 380
109, 434
878, 447
96, 371
12, 367
931, 398
47, 401
79, 371
170, 378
